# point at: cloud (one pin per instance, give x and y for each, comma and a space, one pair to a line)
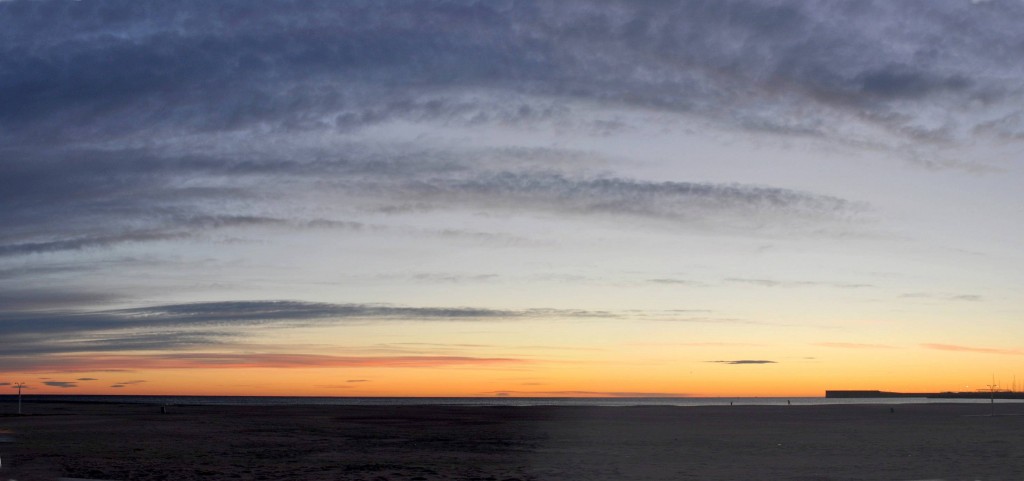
27, 299
87, 379
779, 283
704, 320
358, 380
222, 360
61, 384
5, 384
241, 313
214, 126
85, 242
454, 278
680, 201
142, 337
786, 66
95, 203
853, 345
744, 361
696, 344
181, 317
111, 340
943, 296
679, 282
125, 384
971, 349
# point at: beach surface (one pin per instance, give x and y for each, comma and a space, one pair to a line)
377, 443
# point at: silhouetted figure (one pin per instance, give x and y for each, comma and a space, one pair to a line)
788, 403
892, 410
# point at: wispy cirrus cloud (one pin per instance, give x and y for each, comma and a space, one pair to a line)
216, 114
788, 67
943, 296
110, 340
248, 313
20, 298
974, 349
209, 334
677, 282
699, 344
853, 345
80, 206
226, 360
789, 283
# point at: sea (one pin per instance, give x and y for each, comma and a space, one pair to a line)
482, 401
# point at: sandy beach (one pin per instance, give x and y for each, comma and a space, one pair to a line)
852, 442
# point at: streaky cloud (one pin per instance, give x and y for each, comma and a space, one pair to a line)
853, 345
785, 283
943, 296
222, 360
744, 362
38, 337
62, 203
974, 349
61, 384
785, 66
680, 201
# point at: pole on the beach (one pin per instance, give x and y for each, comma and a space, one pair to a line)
19, 385
992, 401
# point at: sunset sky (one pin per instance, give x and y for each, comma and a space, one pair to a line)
510, 198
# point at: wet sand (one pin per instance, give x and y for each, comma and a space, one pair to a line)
862, 442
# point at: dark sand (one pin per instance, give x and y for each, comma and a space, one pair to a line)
137, 442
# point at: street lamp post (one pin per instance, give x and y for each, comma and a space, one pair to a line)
19, 385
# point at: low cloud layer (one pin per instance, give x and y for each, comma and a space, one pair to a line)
61, 384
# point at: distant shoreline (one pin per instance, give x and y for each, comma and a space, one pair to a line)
843, 397
871, 394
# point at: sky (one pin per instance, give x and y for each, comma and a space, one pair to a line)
511, 198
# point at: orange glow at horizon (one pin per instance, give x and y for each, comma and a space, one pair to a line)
625, 374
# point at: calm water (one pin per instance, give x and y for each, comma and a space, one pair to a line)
490, 401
